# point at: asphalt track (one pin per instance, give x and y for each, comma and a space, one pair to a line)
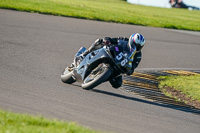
35, 48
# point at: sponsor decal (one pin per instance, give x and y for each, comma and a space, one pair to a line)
116, 48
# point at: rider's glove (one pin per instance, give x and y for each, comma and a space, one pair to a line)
107, 42
98, 41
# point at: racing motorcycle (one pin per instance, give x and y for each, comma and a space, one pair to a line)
98, 66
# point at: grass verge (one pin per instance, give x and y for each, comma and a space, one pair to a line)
183, 88
111, 11
21, 123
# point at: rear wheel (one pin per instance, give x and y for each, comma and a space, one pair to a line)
67, 76
100, 74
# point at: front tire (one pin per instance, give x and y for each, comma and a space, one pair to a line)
67, 76
94, 79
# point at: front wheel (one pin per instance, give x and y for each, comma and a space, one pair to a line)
67, 76
100, 74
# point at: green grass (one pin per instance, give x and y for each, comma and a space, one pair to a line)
21, 123
112, 11
189, 85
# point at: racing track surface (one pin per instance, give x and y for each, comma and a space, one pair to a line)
35, 48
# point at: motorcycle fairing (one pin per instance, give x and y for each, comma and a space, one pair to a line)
89, 62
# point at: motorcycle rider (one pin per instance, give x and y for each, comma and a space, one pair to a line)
177, 4
136, 40
181, 4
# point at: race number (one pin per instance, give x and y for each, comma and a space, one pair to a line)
124, 62
119, 56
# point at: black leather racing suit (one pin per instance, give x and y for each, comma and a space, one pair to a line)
122, 41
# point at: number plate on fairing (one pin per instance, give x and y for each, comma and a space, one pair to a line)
120, 57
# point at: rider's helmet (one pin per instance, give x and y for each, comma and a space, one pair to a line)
137, 40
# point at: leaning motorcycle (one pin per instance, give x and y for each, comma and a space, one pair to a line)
98, 66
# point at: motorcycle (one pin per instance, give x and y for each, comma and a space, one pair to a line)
98, 66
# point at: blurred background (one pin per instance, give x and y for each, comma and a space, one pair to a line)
163, 3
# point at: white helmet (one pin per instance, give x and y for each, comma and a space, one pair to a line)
137, 40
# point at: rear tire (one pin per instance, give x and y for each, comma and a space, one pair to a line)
103, 74
67, 76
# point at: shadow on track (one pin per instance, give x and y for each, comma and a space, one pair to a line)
166, 105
